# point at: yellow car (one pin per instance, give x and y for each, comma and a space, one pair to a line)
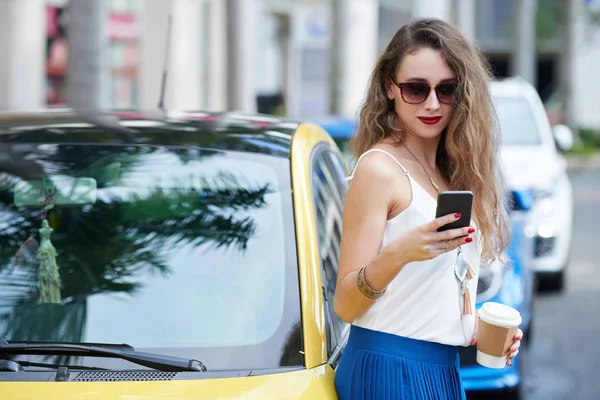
192, 256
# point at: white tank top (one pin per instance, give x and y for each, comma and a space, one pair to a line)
424, 300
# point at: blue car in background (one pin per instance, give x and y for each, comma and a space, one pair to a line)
512, 285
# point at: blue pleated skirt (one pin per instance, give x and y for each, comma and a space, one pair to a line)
380, 366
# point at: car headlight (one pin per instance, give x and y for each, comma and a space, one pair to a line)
490, 281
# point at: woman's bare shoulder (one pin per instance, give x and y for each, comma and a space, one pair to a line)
377, 167
378, 174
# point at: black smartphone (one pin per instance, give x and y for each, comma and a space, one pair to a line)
452, 202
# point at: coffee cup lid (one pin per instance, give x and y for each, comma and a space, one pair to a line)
500, 315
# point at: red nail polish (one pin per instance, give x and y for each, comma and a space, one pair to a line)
471, 230
468, 240
457, 215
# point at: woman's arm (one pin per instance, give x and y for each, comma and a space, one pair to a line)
378, 187
377, 181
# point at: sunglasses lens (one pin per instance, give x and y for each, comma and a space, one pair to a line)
415, 92
445, 92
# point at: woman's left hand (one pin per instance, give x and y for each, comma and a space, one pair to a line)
514, 348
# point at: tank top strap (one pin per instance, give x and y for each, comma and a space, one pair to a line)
349, 178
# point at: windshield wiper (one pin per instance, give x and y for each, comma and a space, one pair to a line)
54, 366
125, 352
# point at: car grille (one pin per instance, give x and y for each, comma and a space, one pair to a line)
468, 356
543, 246
120, 376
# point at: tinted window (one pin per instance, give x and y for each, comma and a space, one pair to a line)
184, 252
329, 189
344, 145
517, 122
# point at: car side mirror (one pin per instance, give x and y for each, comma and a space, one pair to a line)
563, 137
520, 200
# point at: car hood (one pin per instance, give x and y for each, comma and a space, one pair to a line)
315, 383
526, 167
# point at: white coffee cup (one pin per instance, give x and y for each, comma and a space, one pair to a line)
498, 325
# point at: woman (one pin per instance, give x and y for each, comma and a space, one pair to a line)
427, 125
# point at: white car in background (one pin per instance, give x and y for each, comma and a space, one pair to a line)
533, 162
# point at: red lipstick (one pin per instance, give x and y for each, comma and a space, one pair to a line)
430, 120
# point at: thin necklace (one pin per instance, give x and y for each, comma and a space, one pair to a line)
436, 187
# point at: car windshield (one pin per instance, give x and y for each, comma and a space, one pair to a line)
178, 251
517, 122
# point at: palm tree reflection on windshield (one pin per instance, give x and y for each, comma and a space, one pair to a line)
105, 247
198, 217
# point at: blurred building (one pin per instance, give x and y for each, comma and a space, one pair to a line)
493, 26
276, 56
22, 49
35, 51
300, 75
586, 82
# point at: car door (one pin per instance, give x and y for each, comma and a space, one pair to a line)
329, 191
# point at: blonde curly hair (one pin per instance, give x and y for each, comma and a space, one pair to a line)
467, 155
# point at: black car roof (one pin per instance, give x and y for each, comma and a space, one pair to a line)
252, 133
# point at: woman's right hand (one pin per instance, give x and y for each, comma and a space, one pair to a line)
425, 242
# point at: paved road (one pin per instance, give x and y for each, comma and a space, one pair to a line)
564, 358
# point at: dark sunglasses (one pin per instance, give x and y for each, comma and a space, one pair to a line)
418, 92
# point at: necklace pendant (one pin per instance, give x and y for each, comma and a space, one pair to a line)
434, 185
